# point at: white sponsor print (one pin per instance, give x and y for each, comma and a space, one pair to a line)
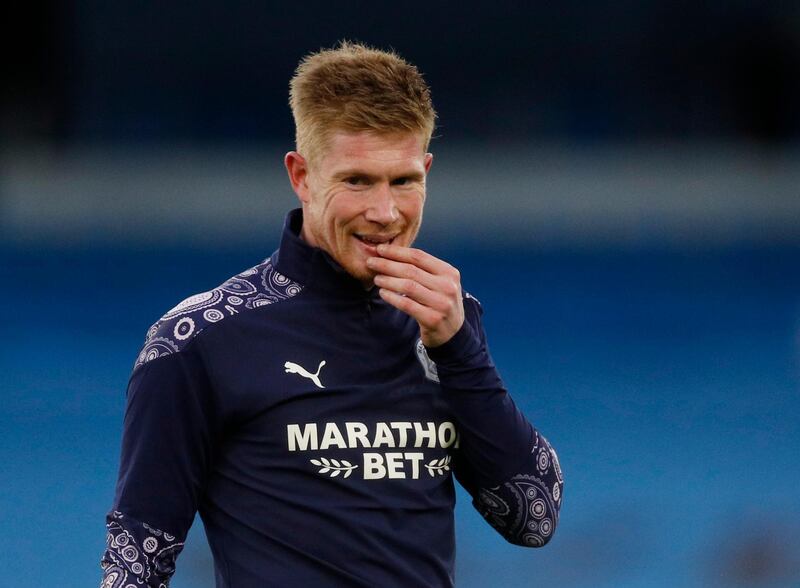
334, 467
353, 435
377, 465
393, 465
437, 467
293, 368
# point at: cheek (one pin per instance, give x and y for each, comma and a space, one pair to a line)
342, 210
412, 208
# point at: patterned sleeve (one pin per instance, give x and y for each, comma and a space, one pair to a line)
137, 554
525, 508
508, 467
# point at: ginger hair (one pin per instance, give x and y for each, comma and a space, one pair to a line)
354, 88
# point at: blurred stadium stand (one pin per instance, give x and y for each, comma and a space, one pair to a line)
627, 195
618, 181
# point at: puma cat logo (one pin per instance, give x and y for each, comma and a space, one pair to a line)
293, 368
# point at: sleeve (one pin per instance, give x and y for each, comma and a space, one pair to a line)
507, 466
167, 438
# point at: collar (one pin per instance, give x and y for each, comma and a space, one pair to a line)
311, 266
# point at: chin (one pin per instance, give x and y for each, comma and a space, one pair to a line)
361, 273
356, 267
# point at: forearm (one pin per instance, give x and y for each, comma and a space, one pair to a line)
509, 468
495, 437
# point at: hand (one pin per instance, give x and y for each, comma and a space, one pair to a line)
424, 287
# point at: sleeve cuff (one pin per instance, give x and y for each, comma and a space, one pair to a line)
462, 348
137, 553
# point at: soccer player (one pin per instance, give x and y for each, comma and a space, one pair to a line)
315, 407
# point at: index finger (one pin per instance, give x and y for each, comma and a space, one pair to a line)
417, 257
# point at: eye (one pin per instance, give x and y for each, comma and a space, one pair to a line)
404, 181
356, 180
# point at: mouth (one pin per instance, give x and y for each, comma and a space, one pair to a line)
370, 242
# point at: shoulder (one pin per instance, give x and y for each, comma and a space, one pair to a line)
253, 288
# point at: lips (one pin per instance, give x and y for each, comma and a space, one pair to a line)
375, 240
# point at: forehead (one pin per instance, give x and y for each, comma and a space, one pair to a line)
374, 150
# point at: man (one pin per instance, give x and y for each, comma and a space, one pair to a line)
314, 407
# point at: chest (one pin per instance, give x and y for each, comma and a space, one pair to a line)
343, 388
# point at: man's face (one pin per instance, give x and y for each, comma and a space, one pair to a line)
365, 189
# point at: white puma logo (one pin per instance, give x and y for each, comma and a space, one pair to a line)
293, 368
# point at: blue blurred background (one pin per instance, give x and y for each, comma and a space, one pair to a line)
619, 183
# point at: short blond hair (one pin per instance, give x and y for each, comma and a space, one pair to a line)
353, 87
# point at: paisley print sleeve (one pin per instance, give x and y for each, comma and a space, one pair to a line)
137, 555
525, 508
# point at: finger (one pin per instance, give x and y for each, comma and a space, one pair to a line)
422, 314
448, 285
407, 271
413, 290
416, 257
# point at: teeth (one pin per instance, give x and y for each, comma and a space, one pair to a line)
372, 241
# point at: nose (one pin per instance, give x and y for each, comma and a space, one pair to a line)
382, 208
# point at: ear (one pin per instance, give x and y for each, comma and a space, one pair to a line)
428, 162
297, 168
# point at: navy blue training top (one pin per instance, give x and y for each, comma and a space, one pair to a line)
304, 420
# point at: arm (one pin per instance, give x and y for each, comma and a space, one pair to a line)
509, 469
166, 451
507, 466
